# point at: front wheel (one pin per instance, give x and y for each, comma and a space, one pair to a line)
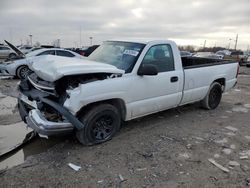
22, 72
12, 56
213, 97
101, 123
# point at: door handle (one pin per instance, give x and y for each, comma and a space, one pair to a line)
174, 79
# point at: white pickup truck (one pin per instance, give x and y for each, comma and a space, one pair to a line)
120, 81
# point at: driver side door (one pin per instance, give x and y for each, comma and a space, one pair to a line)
159, 92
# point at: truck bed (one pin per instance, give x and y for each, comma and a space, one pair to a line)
199, 73
196, 62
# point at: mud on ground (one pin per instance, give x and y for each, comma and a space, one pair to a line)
167, 149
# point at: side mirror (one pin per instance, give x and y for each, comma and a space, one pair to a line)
147, 69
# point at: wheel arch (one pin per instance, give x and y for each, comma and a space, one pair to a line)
117, 102
19, 66
12, 53
221, 81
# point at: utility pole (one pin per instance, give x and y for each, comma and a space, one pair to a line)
30, 39
80, 36
204, 46
90, 38
236, 41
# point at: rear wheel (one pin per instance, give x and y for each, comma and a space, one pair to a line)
12, 56
101, 123
213, 97
22, 72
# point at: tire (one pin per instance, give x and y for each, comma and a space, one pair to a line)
248, 65
22, 71
101, 123
12, 56
213, 97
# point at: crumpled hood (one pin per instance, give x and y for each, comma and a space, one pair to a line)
52, 68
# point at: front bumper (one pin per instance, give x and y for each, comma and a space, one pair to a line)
3, 70
36, 120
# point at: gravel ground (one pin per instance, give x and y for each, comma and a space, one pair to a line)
167, 149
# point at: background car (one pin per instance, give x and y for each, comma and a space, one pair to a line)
248, 62
186, 54
86, 51
209, 55
20, 67
6, 52
53, 51
236, 56
25, 49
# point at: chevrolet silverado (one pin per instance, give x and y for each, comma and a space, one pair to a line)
120, 81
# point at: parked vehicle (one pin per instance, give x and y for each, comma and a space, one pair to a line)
248, 62
86, 51
236, 56
20, 67
186, 54
208, 55
25, 49
6, 52
120, 81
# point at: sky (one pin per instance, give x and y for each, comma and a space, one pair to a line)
187, 22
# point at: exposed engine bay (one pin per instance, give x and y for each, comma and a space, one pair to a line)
36, 89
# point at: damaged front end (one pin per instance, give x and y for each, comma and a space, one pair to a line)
41, 103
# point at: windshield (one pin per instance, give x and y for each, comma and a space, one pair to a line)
123, 55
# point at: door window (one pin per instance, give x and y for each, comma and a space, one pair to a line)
64, 53
49, 52
4, 48
161, 56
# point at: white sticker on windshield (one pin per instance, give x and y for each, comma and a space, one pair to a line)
131, 52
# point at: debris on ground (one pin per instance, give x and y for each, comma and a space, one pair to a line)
146, 154
232, 146
3, 171
248, 181
247, 105
233, 163
100, 181
230, 134
166, 137
218, 165
141, 169
245, 153
240, 109
237, 90
74, 167
121, 178
227, 151
231, 128
216, 156
223, 141
189, 146
184, 155
247, 137
243, 157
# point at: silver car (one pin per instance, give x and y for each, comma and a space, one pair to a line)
20, 67
6, 52
248, 61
